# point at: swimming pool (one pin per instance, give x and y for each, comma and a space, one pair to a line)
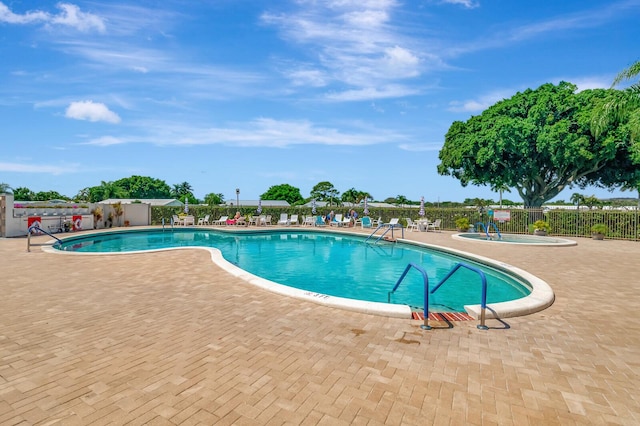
325, 266
515, 239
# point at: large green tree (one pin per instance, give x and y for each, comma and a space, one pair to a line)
22, 193
538, 142
213, 199
144, 187
325, 191
284, 192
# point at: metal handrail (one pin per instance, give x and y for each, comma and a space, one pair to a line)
483, 278
37, 227
494, 227
486, 228
426, 325
389, 227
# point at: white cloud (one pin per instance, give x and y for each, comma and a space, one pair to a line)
354, 43
261, 132
105, 141
70, 16
12, 18
370, 93
469, 4
420, 147
34, 168
88, 110
481, 103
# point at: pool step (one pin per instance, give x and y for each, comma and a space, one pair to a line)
443, 316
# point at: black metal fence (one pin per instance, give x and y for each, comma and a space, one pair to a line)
621, 224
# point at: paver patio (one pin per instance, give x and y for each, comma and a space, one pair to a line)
169, 338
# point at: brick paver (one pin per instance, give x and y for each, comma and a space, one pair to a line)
168, 338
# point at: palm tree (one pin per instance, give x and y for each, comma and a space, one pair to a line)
577, 199
5, 188
500, 188
628, 103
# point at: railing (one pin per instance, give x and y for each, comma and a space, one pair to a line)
425, 278
487, 227
483, 278
389, 226
37, 228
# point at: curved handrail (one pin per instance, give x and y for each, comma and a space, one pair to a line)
426, 325
494, 227
37, 226
483, 278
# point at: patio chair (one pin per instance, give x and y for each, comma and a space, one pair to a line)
411, 225
319, 221
435, 225
308, 221
337, 220
365, 222
293, 221
176, 220
204, 220
284, 219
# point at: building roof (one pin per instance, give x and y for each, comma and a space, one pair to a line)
151, 201
254, 203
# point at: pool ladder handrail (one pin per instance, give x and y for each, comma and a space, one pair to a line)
483, 297
389, 227
425, 278
487, 227
37, 227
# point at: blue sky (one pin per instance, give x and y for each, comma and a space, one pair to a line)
247, 94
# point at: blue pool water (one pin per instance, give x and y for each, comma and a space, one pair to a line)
333, 264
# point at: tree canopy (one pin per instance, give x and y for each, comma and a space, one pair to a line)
285, 192
539, 142
325, 191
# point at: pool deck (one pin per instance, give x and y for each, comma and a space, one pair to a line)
169, 338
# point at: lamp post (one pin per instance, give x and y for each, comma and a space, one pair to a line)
238, 197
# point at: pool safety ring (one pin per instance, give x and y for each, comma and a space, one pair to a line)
77, 223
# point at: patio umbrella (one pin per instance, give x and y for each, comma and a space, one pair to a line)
421, 212
366, 208
259, 210
186, 205
313, 206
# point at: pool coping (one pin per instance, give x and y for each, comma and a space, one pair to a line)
559, 242
540, 298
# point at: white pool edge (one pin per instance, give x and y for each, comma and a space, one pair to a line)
540, 298
551, 241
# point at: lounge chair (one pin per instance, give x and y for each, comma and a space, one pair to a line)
411, 225
394, 223
221, 221
204, 220
319, 221
267, 220
308, 221
435, 225
294, 220
284, 219
337, 220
